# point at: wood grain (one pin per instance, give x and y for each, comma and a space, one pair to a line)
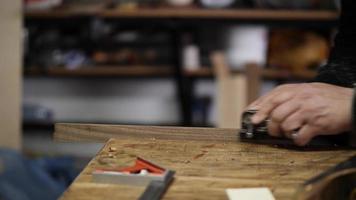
100, 132
204, 169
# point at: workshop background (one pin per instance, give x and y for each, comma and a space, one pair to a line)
149, 62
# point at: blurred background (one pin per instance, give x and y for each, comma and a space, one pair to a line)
147, 62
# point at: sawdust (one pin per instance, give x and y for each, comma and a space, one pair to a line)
112, 149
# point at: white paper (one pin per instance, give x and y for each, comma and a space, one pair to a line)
250, 194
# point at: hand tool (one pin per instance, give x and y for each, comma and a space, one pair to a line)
142, 173
258, 133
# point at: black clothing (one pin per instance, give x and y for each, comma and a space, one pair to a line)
341, 67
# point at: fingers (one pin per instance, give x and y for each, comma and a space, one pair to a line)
265, 98
274, 128
293, 121
254, 105
283, 111
296, 127
269, 104
304, 135
278, 116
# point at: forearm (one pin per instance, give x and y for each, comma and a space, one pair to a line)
341, 67
337, 74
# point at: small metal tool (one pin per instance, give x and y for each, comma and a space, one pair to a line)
248, 129
156, 189
258, 133
143, 173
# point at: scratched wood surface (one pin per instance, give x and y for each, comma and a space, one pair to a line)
204, 169
101, 133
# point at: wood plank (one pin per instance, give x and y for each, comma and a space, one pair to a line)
204, 169
231, 93
100, 132
10, 75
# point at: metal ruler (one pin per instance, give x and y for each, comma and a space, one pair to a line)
156, 189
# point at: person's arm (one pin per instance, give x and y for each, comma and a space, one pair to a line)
303, 111
341, 67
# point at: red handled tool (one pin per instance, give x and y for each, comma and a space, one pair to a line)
143, 172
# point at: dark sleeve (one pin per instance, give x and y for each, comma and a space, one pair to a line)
341, 67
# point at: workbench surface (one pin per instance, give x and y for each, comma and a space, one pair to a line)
206, 161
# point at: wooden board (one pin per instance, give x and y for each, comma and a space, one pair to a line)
231, 93
11, 33
204, 169
101, 133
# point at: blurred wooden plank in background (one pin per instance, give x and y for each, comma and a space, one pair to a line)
11, 34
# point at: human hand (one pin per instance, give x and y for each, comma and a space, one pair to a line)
303, 111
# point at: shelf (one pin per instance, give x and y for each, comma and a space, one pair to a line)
268, 74
103, 71
163, 71
246, 14
187, 13
38, 126
201, 72
66, 11
273, 74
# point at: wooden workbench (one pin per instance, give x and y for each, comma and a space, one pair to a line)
206, 161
